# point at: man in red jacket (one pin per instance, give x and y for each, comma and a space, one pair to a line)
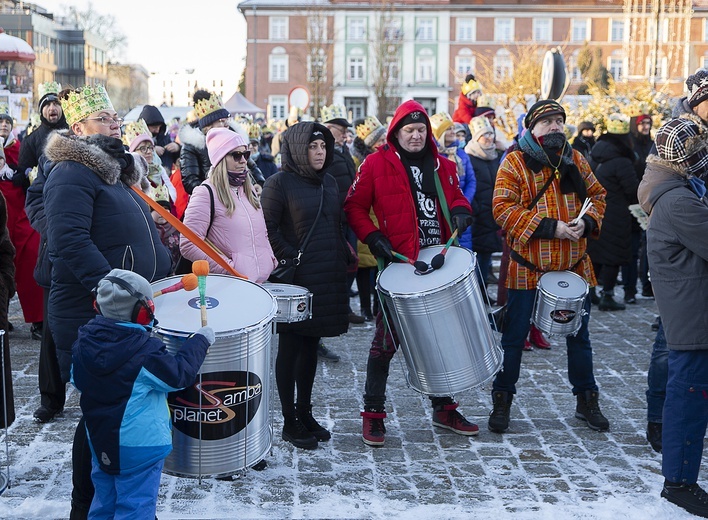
398, 182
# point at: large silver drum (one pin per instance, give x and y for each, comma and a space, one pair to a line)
442, 323
222, 423
560, 303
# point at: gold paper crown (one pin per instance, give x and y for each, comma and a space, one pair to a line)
618, 124
485, 100
48, 87
204, 107
254, 131
135, 129
84, 101
370, 124
480, 125
440, 122
333, 112
160, 193
471, 86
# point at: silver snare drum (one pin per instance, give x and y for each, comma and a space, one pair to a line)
560, 303
294, 302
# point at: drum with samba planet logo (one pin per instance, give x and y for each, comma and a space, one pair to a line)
222, 423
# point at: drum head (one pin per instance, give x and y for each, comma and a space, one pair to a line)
232, 304
282, 290
563, 284
401, 279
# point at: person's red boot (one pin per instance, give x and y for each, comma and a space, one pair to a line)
537, 338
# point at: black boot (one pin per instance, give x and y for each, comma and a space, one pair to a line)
654, 430
499, 417
690, 497
588, 409
304, 413
594, 299
608, 303
296, 433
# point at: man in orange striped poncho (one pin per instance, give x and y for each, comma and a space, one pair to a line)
539, 191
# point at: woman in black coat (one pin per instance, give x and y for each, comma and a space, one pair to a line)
290, 200
613, 164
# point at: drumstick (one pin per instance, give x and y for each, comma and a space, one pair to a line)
418, 264
188, 282
586, 206
439, 259
201, 269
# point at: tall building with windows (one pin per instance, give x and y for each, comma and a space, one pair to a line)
370, 56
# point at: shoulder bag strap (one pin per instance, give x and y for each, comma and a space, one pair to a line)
443, 202
309, 233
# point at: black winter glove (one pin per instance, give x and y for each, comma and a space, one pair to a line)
21, 180
380, 246
461, 222
127, 162
112, 146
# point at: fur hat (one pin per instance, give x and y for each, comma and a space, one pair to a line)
697, 84
210, 110
541, 109
479, 126
115, 301
440, 122
221, 141
682, 142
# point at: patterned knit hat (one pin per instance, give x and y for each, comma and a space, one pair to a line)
440, 122
80, 103
697, 84
541, 109
370, 131
210, 110
681, 141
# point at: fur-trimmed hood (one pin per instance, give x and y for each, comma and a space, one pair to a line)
61, 146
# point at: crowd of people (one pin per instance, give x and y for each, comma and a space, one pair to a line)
325, 202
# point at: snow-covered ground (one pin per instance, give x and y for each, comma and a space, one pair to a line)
548, 466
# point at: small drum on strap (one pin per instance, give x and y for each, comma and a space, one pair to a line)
560, 303
294, 302
442, 323
222, 423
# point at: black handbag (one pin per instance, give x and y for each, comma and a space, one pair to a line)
285, 272
184, 266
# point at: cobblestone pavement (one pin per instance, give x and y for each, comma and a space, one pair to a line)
549, 464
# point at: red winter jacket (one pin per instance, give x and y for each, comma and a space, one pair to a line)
464, 111
382, 183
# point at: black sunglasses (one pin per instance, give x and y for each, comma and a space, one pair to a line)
237, 155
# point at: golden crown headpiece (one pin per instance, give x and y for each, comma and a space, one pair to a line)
485, 100
618, 124
161, 193
440, 122
4, 109
204, 107
471, 86
48, 87
84, 101
480, 125
254, 131
134, 130
333, 112
370, 124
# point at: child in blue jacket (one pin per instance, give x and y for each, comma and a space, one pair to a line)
124, 375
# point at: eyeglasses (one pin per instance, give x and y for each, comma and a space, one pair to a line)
236, 156
145, 149
106, 121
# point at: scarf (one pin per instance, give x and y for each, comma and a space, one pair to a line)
236, 179
537, 156
427, 162
697, 186
155, 173
486, 154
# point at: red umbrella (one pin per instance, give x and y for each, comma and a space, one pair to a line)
14, 49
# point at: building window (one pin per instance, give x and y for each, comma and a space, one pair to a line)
466, 30
393, 64
464, 64
503, 66
616, 68
392, 30
356, 107
356, 65
503, 29
425, 30
356, 29
661, 67
425, 66
317, 66
704, 62
616, 30
542, 29
663, 31
573, 69
278, 106
705, 29
278, 28
317, 29
579, 30
278, 65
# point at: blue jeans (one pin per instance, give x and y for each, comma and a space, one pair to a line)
516, 328
656, 377
685, 415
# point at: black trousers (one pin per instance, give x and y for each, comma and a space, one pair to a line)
295, 367
51, 388
82, 494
